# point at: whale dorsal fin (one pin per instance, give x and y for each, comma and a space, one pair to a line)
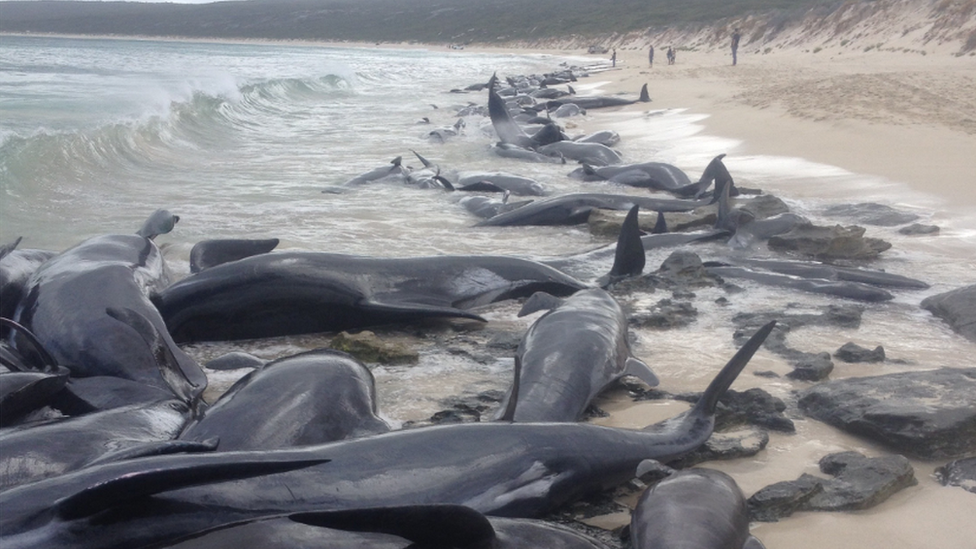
425, 525
7, 248
661, 225
644, 96
629, 258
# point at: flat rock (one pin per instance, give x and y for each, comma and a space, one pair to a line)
829, 243
750, 407
916, 229
782, 499
665, 314
367, 347
852, 352
811, 367
740, 443
928, 415
871, 213
958, 308
859, 483
763, 206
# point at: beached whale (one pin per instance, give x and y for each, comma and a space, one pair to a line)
309, 398
66, 302
453, 526
208, 253
700, 508
572, 209
502, 469
290, 293
568, 356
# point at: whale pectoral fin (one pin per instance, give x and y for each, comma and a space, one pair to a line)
169, 366
753, 543
426, 525
157, 448
539, 301
639, 369
131, 486
417, 306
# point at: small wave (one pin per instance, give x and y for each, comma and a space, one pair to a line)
201, 122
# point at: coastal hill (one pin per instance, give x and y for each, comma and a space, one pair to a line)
912, 24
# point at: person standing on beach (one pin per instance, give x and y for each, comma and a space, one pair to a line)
735, 45
650, 56
670, 55
613, 58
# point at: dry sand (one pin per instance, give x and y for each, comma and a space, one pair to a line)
903, 116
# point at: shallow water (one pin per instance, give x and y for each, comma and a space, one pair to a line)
239, 141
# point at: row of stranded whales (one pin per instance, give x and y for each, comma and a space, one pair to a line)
238, 477
502, 469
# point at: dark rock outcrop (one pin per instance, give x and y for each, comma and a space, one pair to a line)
916, 229
859, 483
929, 415
958, 308
852, 352
829, 243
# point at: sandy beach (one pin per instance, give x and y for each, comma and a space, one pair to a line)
903, 116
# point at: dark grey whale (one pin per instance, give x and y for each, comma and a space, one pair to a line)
572, 209
290, 293
66, 302
700, 508
500, 469
309, 398
568, 356
209, 253
435, 526
839, 288
34, 452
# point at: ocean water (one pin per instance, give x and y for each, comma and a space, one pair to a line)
239, 140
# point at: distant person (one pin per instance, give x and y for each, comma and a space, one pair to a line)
735, 46
613, 58
670, 55
650, 56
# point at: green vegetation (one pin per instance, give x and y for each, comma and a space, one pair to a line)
445, 21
